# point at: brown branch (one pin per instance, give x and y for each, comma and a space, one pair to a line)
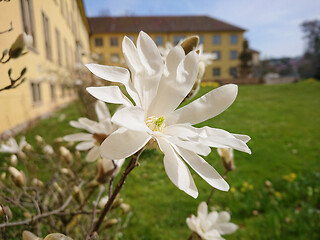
8, 30
131, 165
112, 177
94, 212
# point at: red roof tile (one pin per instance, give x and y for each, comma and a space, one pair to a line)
150, 24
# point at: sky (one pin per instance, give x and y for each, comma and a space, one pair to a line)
273, 26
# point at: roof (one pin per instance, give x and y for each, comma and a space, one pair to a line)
133, 24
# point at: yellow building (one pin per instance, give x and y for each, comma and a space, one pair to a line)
216, 36
60, 34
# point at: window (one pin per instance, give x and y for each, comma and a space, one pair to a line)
98, 42
233, 54
200, 39
27, 18
46, 31
233, 39
216, 40
159, 40
233, 71
36, 93
114, 58
216, 72
114, 41
177, 39
53, 92
58, 47
218, 55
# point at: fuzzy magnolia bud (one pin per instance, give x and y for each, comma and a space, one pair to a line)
22, 41
110, 223
105, 169
190, 43
26, 235
47, 149
67, 172
103, 201
117, 202
5, 211
39, 140
57, 236
28, 147
78, 194
125, 207
66, 155
36, 182
3, 176
57, 187
13, 160
17, 177
226, 155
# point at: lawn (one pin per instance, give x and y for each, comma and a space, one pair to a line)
284, 124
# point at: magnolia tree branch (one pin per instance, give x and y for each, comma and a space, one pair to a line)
131, 165
8, 30
39, 216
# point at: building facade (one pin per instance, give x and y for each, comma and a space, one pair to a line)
216, 36
60, 34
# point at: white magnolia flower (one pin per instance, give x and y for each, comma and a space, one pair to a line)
98, 131
13, 147
210, 226
158, 88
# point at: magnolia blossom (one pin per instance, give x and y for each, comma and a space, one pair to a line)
210, 226
98, 131
157, 89
13, 146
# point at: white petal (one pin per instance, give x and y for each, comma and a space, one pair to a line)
191, 222
92, 126
244, 138
227, 228
14, 144
195, 147
208, 106
131, 118
224, 217
123, 143
176, 169
22, 143
173, 60
149, 53
173, 90
203, 209
181, 130
78, 137
6, 148
205, 170
110, 73
102, 111
85, 146
109, 94
93, 154
131, 55
76, 124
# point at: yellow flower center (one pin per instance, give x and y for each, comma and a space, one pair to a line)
156, 123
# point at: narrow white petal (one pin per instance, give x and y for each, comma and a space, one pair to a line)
85, 145
176, 169
76, 124
109, 94
110, 73
181, 130
13, 144
131, 118
123, 143
131, 55
174, 58
244, 138
172, 90
78, 137
224, 217
208, 106
102, 111
93, 154
205, 170
203, 209
92, 126
227, 228
22, 143
9, 149
193, 146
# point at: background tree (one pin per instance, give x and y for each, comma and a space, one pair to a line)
311, 58
245, 58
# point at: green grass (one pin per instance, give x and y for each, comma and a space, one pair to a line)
284, 124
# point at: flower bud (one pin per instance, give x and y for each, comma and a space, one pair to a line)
22, 41
3, 175
125, 207
57, 236
117, 202
28, 147
78, 194
103, 201
57, 187
5, 211
13, 160
226, 155
22, 155
26, 235
67, 172
190, 43
66, 155
39, 140
105, 169
36, 182
27, 215
17, 177
268, 183
110, 223
47, 149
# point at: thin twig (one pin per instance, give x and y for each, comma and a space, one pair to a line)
94, 212
131, 165
112, 177
8, 30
